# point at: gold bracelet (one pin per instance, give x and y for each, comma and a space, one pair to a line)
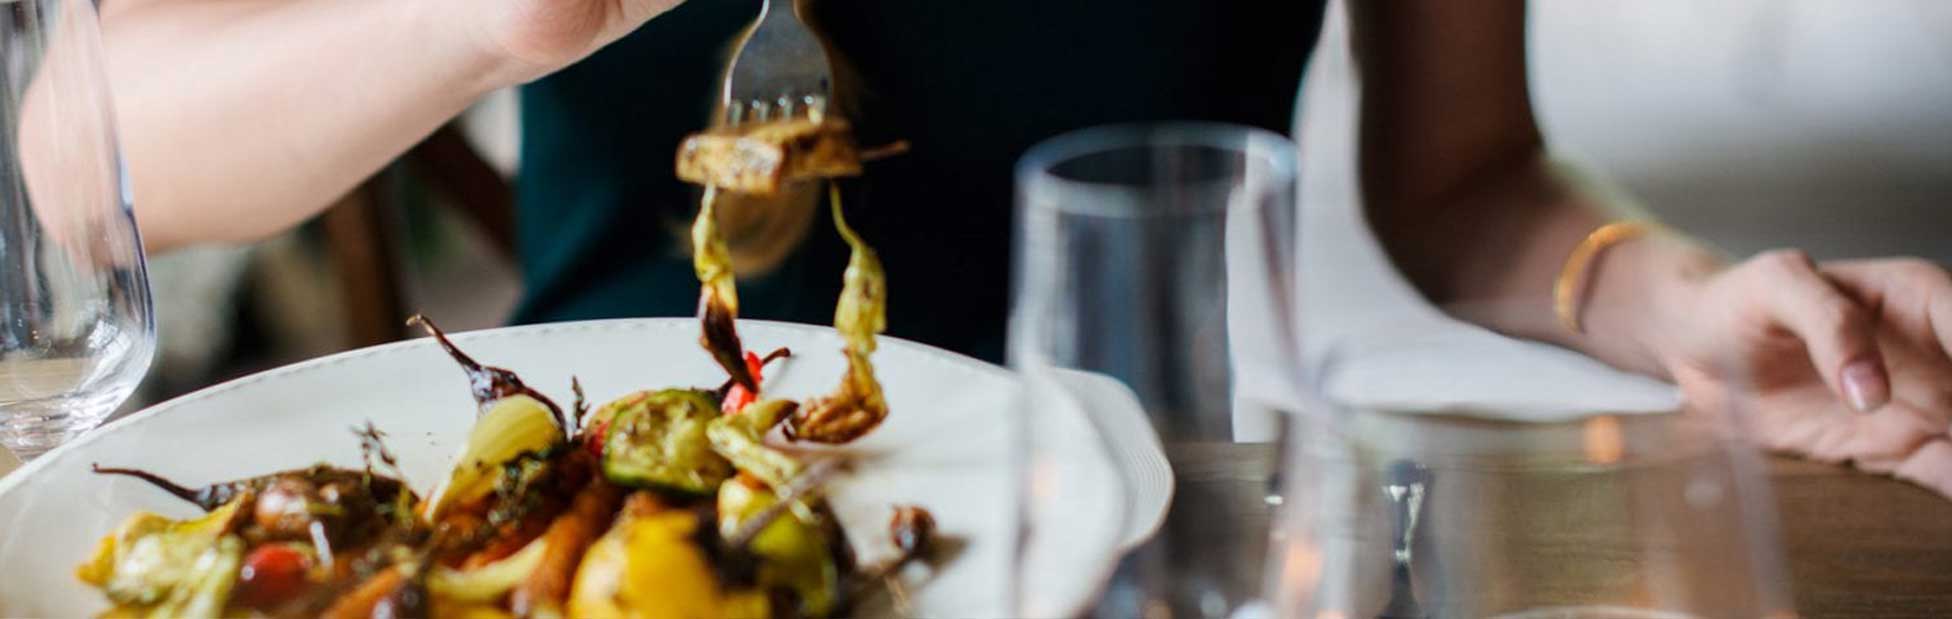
1566, 291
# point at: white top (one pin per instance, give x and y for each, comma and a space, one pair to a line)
1370, 338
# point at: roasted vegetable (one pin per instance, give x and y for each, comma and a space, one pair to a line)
658, 440
740, 438
488, 384
649, 566
793, 550
857, 406
527, 525
211, 579
516, 425
762, 157
319, 503
171, 568
364, 600
545, 589
488, 583
208, 497
718, 298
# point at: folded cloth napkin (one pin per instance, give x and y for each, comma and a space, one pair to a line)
1375, 344
1369, 342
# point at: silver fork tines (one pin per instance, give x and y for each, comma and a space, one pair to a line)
780, 69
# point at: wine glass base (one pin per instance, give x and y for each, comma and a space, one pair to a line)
33, 427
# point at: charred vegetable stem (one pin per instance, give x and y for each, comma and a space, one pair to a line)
372, 442
579, 408
777, 354
207, 497
857, 406
718, 301
488, 383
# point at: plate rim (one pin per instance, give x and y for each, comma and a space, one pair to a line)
12, 480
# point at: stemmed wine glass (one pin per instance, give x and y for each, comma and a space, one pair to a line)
76, 327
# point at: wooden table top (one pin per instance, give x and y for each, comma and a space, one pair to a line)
1858, 545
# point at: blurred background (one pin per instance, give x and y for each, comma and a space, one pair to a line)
1751, 123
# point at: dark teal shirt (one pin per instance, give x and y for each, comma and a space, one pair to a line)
970, 84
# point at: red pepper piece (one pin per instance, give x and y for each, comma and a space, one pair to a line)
738, 397
594, 440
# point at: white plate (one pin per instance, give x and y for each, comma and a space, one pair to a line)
947, 446
1134, 446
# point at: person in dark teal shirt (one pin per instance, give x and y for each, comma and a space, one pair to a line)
971, 85
240, 118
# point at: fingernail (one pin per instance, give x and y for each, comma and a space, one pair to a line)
1864, 385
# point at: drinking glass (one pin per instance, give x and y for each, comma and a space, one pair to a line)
76, 329
1153, 279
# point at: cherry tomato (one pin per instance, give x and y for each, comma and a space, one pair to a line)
272, 574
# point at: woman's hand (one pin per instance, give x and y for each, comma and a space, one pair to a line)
537, 37
1839, 362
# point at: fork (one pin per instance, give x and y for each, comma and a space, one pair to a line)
1406, 485
780, 70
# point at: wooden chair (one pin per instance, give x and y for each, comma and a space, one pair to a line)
363, 237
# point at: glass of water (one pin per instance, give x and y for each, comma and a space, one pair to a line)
1153, 286
76, 328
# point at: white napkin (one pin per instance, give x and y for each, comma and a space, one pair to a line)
1372, 341
1376, 345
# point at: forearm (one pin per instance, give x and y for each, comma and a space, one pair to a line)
242, 118
1458, 187
1493, 254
